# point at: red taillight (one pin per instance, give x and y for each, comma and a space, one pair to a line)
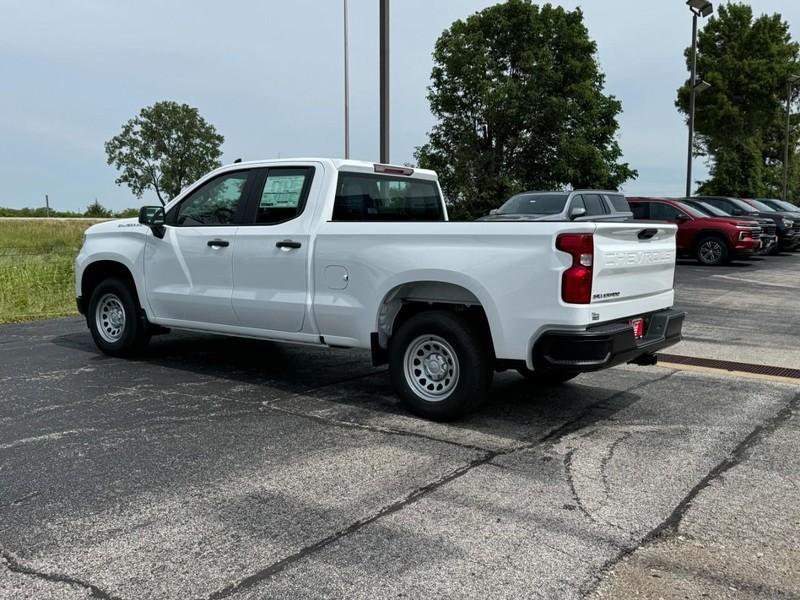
576, 282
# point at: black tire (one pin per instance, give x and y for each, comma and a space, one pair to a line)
546, 377
455, 348
712, 251
111, 336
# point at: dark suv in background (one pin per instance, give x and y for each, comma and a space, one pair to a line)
739, 208
712, 240
791, 222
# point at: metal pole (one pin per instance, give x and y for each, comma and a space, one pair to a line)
346, 87
384, 80
692, 79
47, 205
786, 147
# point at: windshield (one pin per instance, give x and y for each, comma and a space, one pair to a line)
689, 209
761, 206
534, 204
706, 208
781, 205
744, 205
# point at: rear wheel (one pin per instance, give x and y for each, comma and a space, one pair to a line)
547, 377
440, 366
114, 321
712, 251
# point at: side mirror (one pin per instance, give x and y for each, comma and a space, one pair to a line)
493, 211
576, 212
154, 218
737, 211
681, 217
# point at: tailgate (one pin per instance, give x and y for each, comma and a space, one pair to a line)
632, 260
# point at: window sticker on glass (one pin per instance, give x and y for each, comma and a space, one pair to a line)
282, 191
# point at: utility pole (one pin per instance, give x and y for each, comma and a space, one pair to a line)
692, 80
384, 80
699, 8
47, 206
346, 87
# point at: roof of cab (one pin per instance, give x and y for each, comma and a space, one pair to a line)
341, 164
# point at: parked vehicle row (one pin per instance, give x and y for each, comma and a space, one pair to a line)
717, 229
712, 229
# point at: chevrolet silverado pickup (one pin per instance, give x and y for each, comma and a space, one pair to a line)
343, 253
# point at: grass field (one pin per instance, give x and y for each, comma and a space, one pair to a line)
37, 268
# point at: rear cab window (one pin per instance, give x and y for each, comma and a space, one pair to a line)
376, 197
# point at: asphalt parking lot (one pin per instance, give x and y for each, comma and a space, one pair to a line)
220, 468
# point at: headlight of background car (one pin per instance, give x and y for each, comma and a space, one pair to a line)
787, 223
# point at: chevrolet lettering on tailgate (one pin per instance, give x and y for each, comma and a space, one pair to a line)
639, 257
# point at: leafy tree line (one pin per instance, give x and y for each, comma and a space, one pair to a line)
740, 121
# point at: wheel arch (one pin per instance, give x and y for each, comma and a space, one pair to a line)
441, 291
99, 270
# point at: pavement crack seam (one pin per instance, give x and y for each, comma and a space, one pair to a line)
670, 525
571, 482
579, 422
389, 509
16, 565
372, 428
607, 460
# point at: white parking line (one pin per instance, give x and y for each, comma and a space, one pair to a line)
745, 280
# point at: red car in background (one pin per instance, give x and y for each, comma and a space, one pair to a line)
711, 240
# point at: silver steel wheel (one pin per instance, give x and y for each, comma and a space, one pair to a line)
110, 318
711, 252
431, 367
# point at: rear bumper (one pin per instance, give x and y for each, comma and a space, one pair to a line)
606, 345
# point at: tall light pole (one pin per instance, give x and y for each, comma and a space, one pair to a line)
384, 80
346, 86
699, 8
792, 79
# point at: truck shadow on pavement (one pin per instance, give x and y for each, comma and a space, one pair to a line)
343, 388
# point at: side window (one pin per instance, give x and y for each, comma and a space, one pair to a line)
640, 210
284, 194
214, 203
366, 197
664, 212
577, 202
619, 202
594, 205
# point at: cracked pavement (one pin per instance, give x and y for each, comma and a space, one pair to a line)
223, 468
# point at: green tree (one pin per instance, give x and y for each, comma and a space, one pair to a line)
740, 120
167, 146
97, 211
518, 97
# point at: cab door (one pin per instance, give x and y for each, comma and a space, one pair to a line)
189, 271
270, 261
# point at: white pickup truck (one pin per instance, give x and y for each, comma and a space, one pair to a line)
344, 253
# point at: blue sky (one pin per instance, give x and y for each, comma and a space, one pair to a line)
268, 75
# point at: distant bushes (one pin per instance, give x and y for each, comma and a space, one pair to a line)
95, 210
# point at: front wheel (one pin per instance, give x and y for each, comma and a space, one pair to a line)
113, 319
712, 251
439, 364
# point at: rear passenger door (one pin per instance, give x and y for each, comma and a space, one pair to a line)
270, 261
